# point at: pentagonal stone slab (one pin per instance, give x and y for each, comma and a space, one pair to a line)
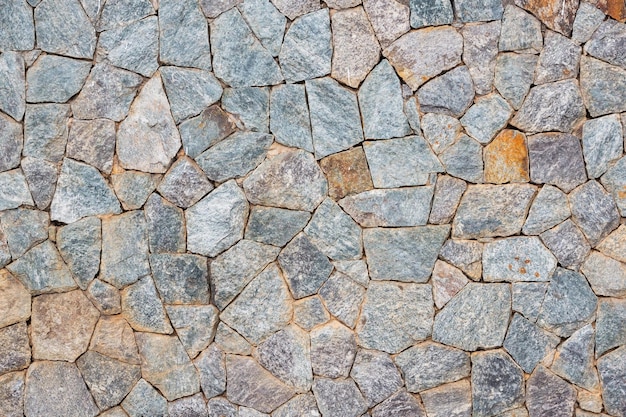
142, 307
517, 259
521, 31
549, 395
527, 343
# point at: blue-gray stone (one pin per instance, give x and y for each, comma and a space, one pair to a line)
558, 60
400, 404
183, 35
193, 406
454, 400
569, 303
133, 187
210, 365
142, 308
588, 18
547, 395
602, 143
105, 297
376, 375
93, 142
451, 93
521, 31
195, 325
80, 245
11, 143
448, 193
430, 13
64, 28
603, 86
81, 191
166, 225
189, 91
610, 325
487, 117
18, 29
549, 208
184, 183
41, 177
55, 79
410, 110
266, 22
480, 48
200, 132
230, 341
239, 59
335, 117
615, 181
339, 397
607, 41
567, 243
333, 348
478, 10
290, 122
213, 8
527, 298
606, 275
557, 159
300, 405
310, 312
612, 369
250, 105
307, 49
23, 229
295, 8
144, 400
381, 104
464, 159
514, 73
440, 130
181, 278
343, 298
527, 343
389, 18
46, 130
403, 254
517, 259
13, 190
574, 359
594, 211
275, 226
117, 13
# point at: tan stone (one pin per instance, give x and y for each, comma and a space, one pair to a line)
347, 173
558, 15
14, 300
506, 158
114, 338
447, 282
62, 325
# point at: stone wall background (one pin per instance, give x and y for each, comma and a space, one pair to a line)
244, 208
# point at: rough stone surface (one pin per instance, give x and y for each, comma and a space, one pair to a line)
104, 297
19, 33
425, 13
606, 275
309, 312
614, 245
347, 173
521, 31
527, 343
447, 281
15, 348
11, 143
180, 278
558, 60
389, 19
588, 18
144, 400
184, 184
45, 131
200, 132
376, 375
517, 259
333, 348
549, 395
614, 182
289, 116
603, 86
451, 93
612, 372
189, 91
594, 211
602, 144
448, 192
480, 48
338, 397
113, 337
267, 23
133, 188
453, 400
212, 371
550, 207
342, 297
568, 243
464, 159
334, 232
485, 118
609, 36
275, 226
92, 142
574, 359
610, 325
166, 228
557, 159
399, 404
55, 79
142, 307
506, 158
41, 177
12, 394
14, 300
80, 246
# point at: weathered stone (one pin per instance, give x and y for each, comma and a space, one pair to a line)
389, 19
612, 373
447, 281
486, 117
221, 407
55, 388
517, 259
114, 338
478, 10
347, 173
300, 405
376, 375
144, 400
250, 106
567, 243
558, 60
333, 348
549, 208
449, 400
275, 226
574, 359
307, 49
108, 380
235, 156
180, 278
11, 142
149, 122
606, 41
143, 309
424, 13
107, 93
213, 8
216, 222
514, 73
295, 8
448, 192
289, 116
250, 314
92, 142
480, 48
212, 371
528, 297
614, 245
23, 229
5, 253
416, 61
42, 270
588, 18
41, 177
252, 386
430, 364
343, 297
266, 22
230, 341
338, 397
558, 15
451, 93
105, 297
334, 232
521, 31
401, 404
606, 275
557, 159
304, 265
440, 130
289, 180
506, 158
603, 87
527, 343
55, 79
464, 159
234, 269
497, 383
166, 225
193, 406
610, 325
401, 162
590, 402
342, 4
548, 395
614, 182
165, 364
602, 143
185, 183
118, 13
133, 188
14, 300
64, 28
14, 348
569, 303
80, 245
594, 211
309, 312
199, 133
12, 394
465, 255
19, 31
189, 90
45, 131
234, 44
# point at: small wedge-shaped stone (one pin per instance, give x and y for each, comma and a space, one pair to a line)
180, 278
142, 307
447, 281
558, 15
569, 303
399, 404
212, 371
93, 142
527, 343
185, 183
549, 208
18, 31
239, 59
205, 130
64, 28
55, 79
548, 395
216, 222
289, 116
416, 61
615, 182
11, 143
147, 139
594, 211
41, 177
492, 210
448, 193
514, 73
435, 13
574, 359
449, 400
144, 400
189, 91
14, 300
338, 397
289, 180
602, 143
165, 364
105, 297
14, 348
497, 383
333, 348
612, 371
80, 245
521, 31
559, 59
614, 245
376, 375
606, 275
606, 41
464, 159
343, 297
389, 19
477, 317
118, 13
114, 338
603, 86
451, 93
480, 48
195, 326
517, 259
567, 243
307, 49
252, 386
486, 117
395, 315
557, 159
45, 131
251, 315
610, 325
588, 18
300, 405
267, 23
275, 226
23, 229
166, 225
309, 312
295, 8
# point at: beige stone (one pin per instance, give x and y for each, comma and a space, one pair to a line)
14, 300
447, 282
114, 338
347, 173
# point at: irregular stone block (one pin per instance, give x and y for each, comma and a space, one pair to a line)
610, 325
105, 297
212, 371
447, 281
401, 403
275, 226
189, 91
614, 182
80, 245
300, 405
309, 312
114, 338
517, 259
250, 105
594, 211
14, 348
333, 348
574, 359
11, 143
528, 297
338, 397
230, 341
549, 208
614, 245
195, 325
213, 8
266, 22
376, 375
55, 79
181, 278
506, 158
435, 13
612, 373
480, 48
464, 159
465, 255
527, 343
389, 19
185, 183
295, 8
144, 400
603, 87
549, 395
450, 400
588, 18
23, 229
41, 177
19, 30
514, 73
440, 130
92, 142
567, 243
606, 275
558, 15
558, 60
166, 225
451, 93
210, 127
15, 300
606, 40
557, 159
343, 298
121, 13
188, 406
13, 190
478, 10
289, 116
448, 192
521, 31
486, 117
347, 173
602, 144
12, 394
45, 131
142, 307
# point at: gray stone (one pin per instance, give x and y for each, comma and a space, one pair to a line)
133, 188
14, 348
333, 348
234, 269
574, 359
557, 159
478, 10
42, 270
447, 281
56, 389
55, 78
113, 337
410, 110
401, 162
12, 394
521, 31
105, 297
13, 190
45, 131
14, 300
549, 208
450, 400
200, 132
464, 159
116, 13
514, 73
558, 60
266, 22
416, 61
5, 253
64, 28
235, 156
376, 375
567, 243
221, 407
213, 8
430, 13
588, 18
343, 298
305, 267
609, 38
107, 93
180, 278
465, 255
395, 315
41, 177
497, 383
109, 380
527, 343
165, 364
149, 121
517, 259
289, 180
193, 406
166, 225
230, 341
184, 35
342, 4
612, 373
391, 207
289, 116
216, 222
594, 211
303, 405
189, 91
307, 49
614, 245
250, 106
275, 226
401, 404
287, 356
23, 229
448, 193
144, 400
11, 142
295, 8
569, 303
548, 395
92, 142
143, 309
389, 19
451, 93
614, 182
603, 86
79, 244
480, 48
430, 364
234, 44
19, 31
602, 143
338, 397
403, 254
487, 117
528, 297
252, 386
309, 312
250, 314
212, 371
134, 47
185, 183
610, 325
606, 275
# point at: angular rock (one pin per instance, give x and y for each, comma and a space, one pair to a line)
574, 359
399, 404
64, 28
309, 312
295, 8
189, 91
195, 326
520, 31
338, 397
92, 142
567, 243
166, 225
610, 325
216, 222
514, 73
528, 297
447, 281
12, 394
549, 395
594, 211
200, 132
448, 192
602, 144
558, 15
478, 10
11, 142
506, 158
19, 30
230, 341
300, 405
606, 275
450, 400
213, 8
55, 79
614, 245
113, 337
558, 60
517, 259
143, 309
305, 267
333, 348
389, 19
212, 371
347, 173
15, 300
289, 116
486, 117
180, 278
185, 183
250, 105
334, 232
451, 93
41, 177
120, 13
80, 246
614, 182
603, 87
606, 41
275, 226
376, 375
556, 158
424, 13
267, 23
549, 208
342, 4
45, 131
588, 18
193, 406
144, 400
527, 343
612, 373
5, 254
480, 48
343, 298
465, 255
14, 348
440, 130
105, 297
221, 407
23, 229
464, 159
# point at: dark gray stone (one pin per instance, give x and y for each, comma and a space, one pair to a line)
514, 73
333, 348
289, 116
338, 397
517, 259
45, 131
180, 278
480, 48
184, 183
521, 31
610, 325
105, 297
549, 395
430, 13
143, 309
451, 93
557, 159
558, 60
612, 373
250, 105
465, 255
117, 13
574, 359
478, 10
266, 22
376, 375
195, 326
14, 348
607, 40
549, 208
19, 31
464, 159
401, 404
166, 225
527, 343
189, 91
80, 244
594, 211
343, 298
145, 400
55, 78
603, 87
14, 190
602, 143
528, 297
41, 177
11, 142
212, 371
275, 226
200, 132
309, 312
567, 243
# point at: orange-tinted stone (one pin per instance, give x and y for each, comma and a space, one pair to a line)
347, 173
506, 158
614, 8
558, 15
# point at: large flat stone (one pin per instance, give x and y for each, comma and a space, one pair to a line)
333, 348
205, 130
93, 142
64, 28
189, 91
514, 73
609, 37
610, 325
376, 375
558, 15
17, 20
603, 86
594, 211
275, 226
606, 275
266, 22
11, 143
134, 47
506, 158
180, 278
195, 326
521, 31
527, 343
338, 397
451, 93
55, 79
389, 19
45, 131
614, 182
568, 243
517, 259
347, 173
14, 348
166, 225
212, 371
549, 208
556, 159
343, 297
574, 360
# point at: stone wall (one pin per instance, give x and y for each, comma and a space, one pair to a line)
295, 208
